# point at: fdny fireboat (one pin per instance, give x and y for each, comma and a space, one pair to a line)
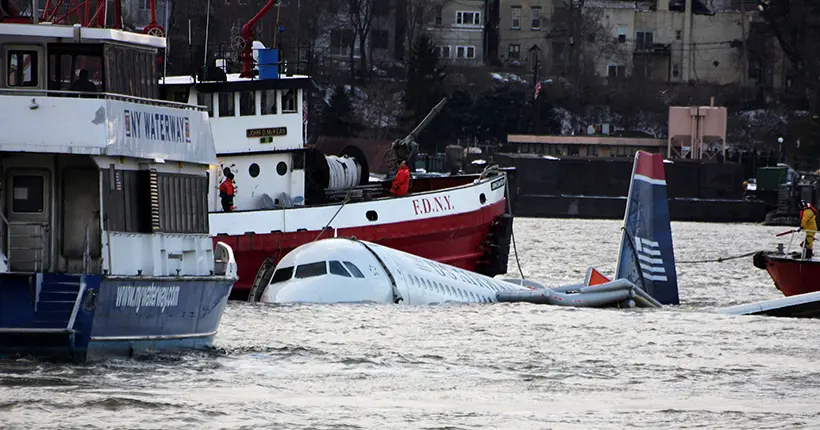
288, 194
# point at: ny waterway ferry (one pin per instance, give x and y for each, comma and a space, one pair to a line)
103, 206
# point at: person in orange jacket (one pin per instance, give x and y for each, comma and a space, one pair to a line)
227, 192
808, 222
402, 181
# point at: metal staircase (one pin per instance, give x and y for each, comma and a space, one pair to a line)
58, 302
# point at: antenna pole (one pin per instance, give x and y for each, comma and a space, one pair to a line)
207, 30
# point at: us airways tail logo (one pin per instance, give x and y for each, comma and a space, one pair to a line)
651, 262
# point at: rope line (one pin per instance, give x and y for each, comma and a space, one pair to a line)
718, 260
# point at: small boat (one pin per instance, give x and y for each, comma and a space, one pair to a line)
103, 207
289, 193
791, 271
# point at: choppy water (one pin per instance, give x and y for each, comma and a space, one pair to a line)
470, 366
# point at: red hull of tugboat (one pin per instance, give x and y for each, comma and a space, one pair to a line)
791, 276
453, 239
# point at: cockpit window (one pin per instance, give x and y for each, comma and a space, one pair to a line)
336, 268
353, 269
311, 269
282, 275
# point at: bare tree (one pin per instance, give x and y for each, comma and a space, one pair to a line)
587, 40
420, 14
360, 13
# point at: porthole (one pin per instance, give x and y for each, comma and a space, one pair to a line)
482, 198
372, 216
253, 170
282, 168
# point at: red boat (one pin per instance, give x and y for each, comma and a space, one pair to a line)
791, 273
288, 194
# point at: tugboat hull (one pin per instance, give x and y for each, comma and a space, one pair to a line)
90, 317
792, 276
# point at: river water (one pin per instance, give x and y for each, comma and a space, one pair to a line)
512, 366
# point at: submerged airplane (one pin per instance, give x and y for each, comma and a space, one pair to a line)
347, 270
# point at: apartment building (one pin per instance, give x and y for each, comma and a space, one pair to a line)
523, 33
382, 42
675, 40
457, 27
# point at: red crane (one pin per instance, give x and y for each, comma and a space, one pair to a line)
247, 37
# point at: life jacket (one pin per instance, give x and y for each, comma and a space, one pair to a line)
226, 188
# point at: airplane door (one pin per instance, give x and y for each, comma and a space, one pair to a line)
28, 198
399, 277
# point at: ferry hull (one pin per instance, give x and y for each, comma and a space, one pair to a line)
790, 276
455, 239
115, 316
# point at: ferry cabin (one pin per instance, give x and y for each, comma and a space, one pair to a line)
98, 175
259, 131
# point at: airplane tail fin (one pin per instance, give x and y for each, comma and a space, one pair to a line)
646, 256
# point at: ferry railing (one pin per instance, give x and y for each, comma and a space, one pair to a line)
77, 300
99, 95
36, 240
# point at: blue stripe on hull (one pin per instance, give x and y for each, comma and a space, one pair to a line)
116, 316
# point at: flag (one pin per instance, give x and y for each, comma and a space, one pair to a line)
537, 88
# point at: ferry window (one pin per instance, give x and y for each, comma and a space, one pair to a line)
226, 104
247, 103
282, 275
310, 270
289, 101
336, 268
27, 194
87, 73
22, 71
207, 100
268, 102
353, 269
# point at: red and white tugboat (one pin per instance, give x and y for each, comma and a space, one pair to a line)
287, 194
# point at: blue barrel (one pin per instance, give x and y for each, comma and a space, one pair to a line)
268, 63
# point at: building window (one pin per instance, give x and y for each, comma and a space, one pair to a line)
514, 52
465, 52
755, 72
616, 71
536, 18
643, 40
516, 18
437, 14
675, 70
341, 42
678, 35
443, 51
621, 33
22, 70
146, 4
379, 39
468, 18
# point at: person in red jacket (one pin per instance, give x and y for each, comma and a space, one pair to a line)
402, 181
226, 192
